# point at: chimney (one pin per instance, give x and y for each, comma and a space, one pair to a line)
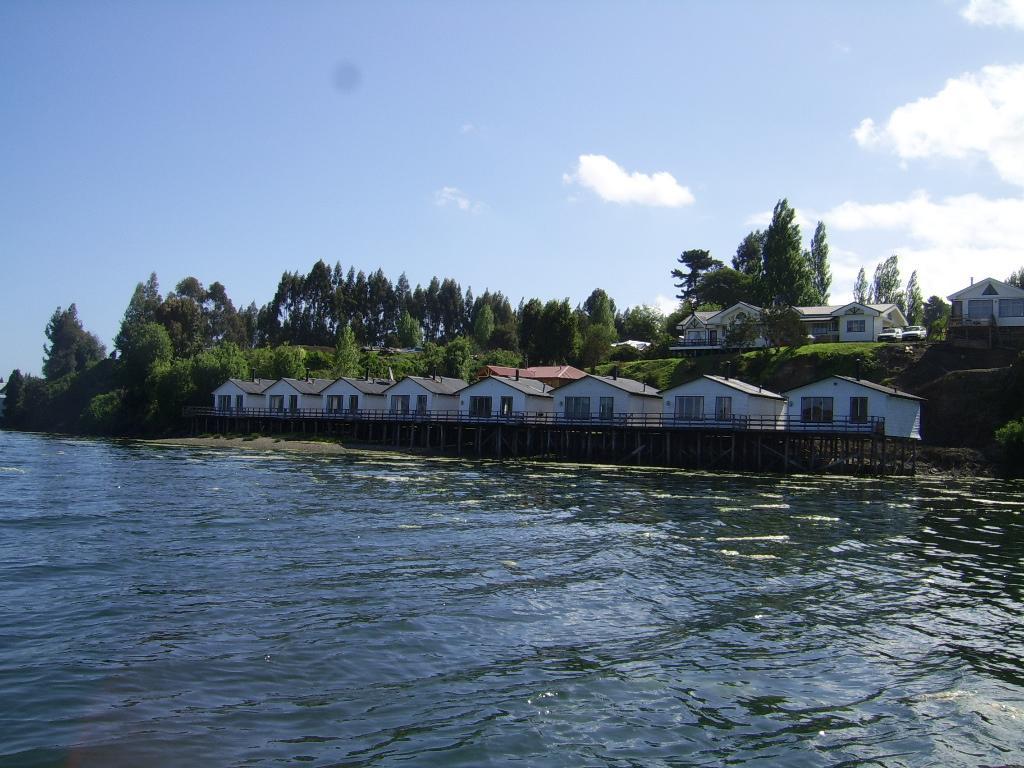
254, 375
972, 281
517, 374
858, 369
367, 373
615, 373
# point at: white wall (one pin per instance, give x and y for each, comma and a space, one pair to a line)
495, 388
743, 404
248, 400
344, 389
411, 387
624, 403
306, 402
902, 416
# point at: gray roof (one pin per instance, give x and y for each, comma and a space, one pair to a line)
367, 386
742, 386
309, 386
532, 387
828, 310
1004, 289
891, 391
631, 386
250, 386
441, 385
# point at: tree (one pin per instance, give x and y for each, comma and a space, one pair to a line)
530, 321
782, 326
483, 326
936, 316
143, 346
885, 288
183, 319
558, 336
697, 262
785, 277
743, 331
724, 287
861, 289
821, 274
71, 347
410, 334
1016, 279
458, 355
642, 323
748, 255
12, 399
141, 309
914, 301
346, 353
598, 328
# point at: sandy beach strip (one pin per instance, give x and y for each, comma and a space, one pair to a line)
309, 447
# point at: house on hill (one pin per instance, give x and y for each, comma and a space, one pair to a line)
606, 398
296, 395
552, 375
351, 395
502, 396
717, 400
425, 394
844, 403
240, 394
711, 330
850, 322
991, 306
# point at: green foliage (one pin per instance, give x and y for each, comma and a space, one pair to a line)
558, 336
142, 346
861, 289
458, 356
697, 263
71, 347
782, 327
1016, 279
785, 278
287, 362
598, 328
914, 301
507, 357
409, 332
821, 274
725, 287
935, 316
748, 259
885, 288
642, 323
106, 414
1010, 438
743, 331
346, 354
483, 327
13, 412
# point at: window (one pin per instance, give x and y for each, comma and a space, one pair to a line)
957, 309
855, 326
277, 403
293, 402
479, 406
821, 329
723, 408
606, 407
1011, 307
690, 407
239, 402
421, 403
859, 410
353, 402
506, 405
400, 403
224, 402
990, 290
333, 403
979, 309
577, 407
816, 409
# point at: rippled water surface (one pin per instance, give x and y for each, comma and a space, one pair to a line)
174, 606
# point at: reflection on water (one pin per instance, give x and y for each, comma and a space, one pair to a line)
165, 606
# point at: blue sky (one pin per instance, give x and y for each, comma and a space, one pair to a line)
542, 149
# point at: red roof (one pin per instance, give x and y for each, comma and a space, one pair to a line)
564, 372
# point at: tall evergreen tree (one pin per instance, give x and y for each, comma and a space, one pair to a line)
346, 353
885, 288
530, 321
483, 326
71, 348
861, 289
558, 338
697, 262
141, 309
1016, 279
785, 277
914, 301
821, 274
748, 255
12, 416
598, 331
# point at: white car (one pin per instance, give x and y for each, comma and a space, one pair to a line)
915, 333
891, 334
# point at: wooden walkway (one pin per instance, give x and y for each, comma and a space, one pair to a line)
748, 445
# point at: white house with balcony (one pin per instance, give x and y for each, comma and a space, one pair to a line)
241, 394
286, 395
350, 395
503, 396
843, 403
850, 322
711, 330
987, 302
607, 398
424, 394
721, 401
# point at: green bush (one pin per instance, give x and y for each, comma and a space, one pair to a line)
105, 414
1010, 437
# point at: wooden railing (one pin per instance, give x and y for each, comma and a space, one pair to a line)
874, 424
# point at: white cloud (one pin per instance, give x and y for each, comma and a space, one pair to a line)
947, 241
665, 305
446, 196
467, 128
807, 221
975, 114
995, 12
613, 184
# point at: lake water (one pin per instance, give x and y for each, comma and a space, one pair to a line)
164, 606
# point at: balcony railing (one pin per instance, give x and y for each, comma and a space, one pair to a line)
869, 425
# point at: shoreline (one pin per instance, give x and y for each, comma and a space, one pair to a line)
932, 462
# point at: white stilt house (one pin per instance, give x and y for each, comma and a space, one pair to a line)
843, 403
425, 394
606, 398
348, 395
721, 401
505, 397
241, 394
286, 395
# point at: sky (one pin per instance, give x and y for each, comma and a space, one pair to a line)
541, 149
